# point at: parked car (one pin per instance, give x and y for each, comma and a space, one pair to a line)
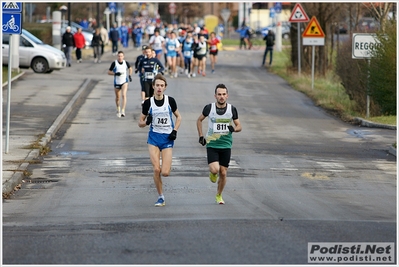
341, 29
35, 54
285, 29
367, 24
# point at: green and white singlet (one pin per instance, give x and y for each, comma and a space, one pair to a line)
218, 135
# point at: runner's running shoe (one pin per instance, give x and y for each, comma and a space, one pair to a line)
118, 114
213, 177
160, 202
219, 199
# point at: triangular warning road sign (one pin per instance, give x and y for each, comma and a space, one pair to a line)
298, 14
10, 5
313, 29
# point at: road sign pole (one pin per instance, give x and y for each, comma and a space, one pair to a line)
368, 90
313, 66
299, 48
12, 17
107, 12
225, 13
278, 35
298, 15
9, 95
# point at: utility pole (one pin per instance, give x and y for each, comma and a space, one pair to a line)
69, 14
245, 13
98, 15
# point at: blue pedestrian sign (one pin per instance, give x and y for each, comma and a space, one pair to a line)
10, 7
278, 7
272, 12
12, 17
112, 7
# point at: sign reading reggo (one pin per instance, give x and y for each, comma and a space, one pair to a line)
363, 45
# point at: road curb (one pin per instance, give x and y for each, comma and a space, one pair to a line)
17, 177
392, 151
13, 79
366, 123
371, 124
63, 115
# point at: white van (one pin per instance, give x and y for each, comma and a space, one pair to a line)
35, 54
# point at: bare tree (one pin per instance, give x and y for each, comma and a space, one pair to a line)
189, 11
380, 11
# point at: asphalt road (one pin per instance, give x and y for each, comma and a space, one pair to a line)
297, 175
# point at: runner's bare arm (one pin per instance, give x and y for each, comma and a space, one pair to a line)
199, 125
178, 119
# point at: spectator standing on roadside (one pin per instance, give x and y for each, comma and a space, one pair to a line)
243, 31
84, 23
269, 38
138, 31
104, 37
68, 44
96, 44
124, 35
80, 43
134, 35
114, 37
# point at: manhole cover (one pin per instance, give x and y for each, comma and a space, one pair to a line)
41, 181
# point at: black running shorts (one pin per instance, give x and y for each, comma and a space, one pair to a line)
118, 86
213, 53
222, 155
200, 57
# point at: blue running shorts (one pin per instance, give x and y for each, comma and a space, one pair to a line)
159, 140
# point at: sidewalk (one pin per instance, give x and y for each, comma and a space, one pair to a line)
36, 115
40, 103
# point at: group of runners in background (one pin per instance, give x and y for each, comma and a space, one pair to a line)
185, 51
180, 51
